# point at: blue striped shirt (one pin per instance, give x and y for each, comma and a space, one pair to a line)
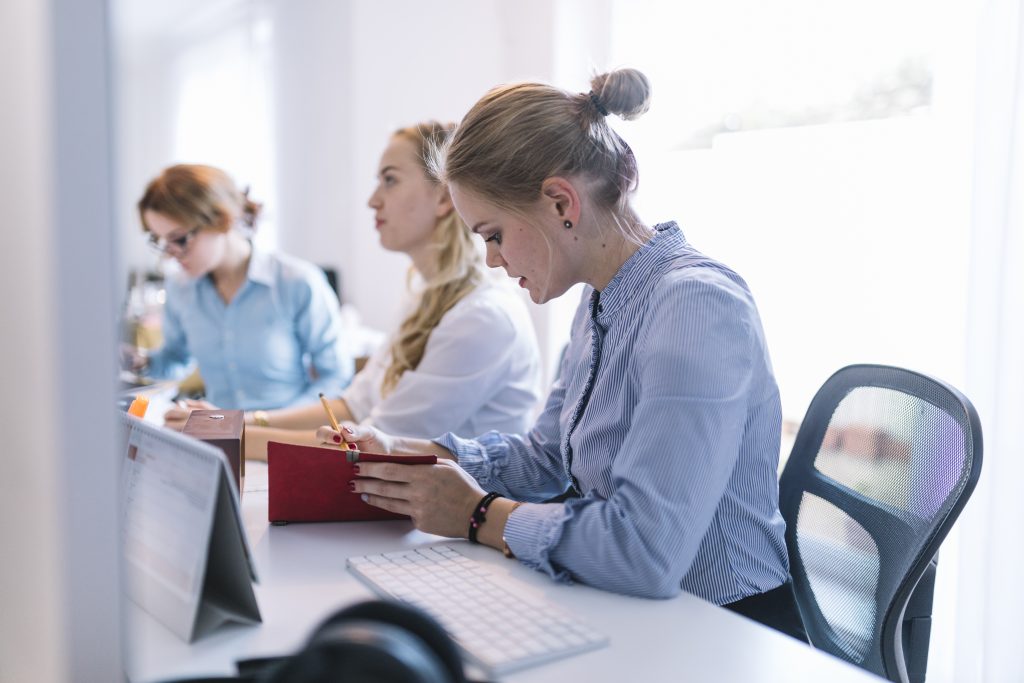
665, 421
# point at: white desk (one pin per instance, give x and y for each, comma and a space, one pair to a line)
303, 579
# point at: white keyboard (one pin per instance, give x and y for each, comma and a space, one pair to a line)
495, 628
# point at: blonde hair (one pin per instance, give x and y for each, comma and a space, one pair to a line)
518, 135
459, 269
198, 195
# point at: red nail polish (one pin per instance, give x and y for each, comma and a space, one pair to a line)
337, 438
355, 469
352, 486
352, 446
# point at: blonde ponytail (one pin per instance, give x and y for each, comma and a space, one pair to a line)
459, 272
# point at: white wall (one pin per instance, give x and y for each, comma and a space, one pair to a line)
145, 135
30, 586
347, 76
312, 115
59, 575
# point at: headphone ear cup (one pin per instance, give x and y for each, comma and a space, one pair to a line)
361, 652
407, 618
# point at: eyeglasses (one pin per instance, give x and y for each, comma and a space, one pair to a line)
178, 244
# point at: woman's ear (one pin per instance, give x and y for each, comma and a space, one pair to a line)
560, 198
444, 204
222, 220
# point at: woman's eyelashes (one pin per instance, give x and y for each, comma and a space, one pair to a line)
494, 237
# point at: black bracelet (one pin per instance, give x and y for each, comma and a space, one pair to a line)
480, 515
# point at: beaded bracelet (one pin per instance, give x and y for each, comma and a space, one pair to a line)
480, 515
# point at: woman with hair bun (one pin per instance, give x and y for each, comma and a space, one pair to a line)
264, 328
652, 469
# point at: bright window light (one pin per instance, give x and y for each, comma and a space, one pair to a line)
223, 116
802, 143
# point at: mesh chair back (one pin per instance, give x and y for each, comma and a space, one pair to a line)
882, 465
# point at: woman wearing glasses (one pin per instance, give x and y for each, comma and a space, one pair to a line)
263, 327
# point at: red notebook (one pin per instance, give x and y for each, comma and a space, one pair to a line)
310, 484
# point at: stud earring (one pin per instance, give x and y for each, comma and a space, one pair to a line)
567, 224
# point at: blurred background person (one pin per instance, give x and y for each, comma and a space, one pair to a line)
262, 327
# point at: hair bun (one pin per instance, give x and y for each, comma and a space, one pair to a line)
250, 209
623, 92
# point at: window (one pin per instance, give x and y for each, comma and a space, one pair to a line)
224, 103
814, 148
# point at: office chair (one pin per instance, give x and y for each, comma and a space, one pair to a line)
331, 273
883, 463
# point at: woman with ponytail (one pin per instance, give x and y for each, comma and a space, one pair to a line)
465, 357
264, 328
652, 468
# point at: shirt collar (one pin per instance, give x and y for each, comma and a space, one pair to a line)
634, 272
261, 267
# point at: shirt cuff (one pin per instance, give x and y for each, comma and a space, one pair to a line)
478, 457
531, 531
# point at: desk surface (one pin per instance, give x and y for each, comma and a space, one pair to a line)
303, 579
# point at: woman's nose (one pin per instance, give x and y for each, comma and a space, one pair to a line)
493, 259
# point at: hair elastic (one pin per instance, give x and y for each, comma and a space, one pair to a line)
597, 104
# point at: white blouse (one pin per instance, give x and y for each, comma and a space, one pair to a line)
480, 371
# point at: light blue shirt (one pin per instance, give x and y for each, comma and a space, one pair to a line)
264, 349
665, 420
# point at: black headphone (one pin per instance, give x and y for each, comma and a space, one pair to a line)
369, 642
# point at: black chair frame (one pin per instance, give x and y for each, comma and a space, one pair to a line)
800, 476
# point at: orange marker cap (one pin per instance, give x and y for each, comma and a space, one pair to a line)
139, 406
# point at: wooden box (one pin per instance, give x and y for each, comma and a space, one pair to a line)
224, 429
